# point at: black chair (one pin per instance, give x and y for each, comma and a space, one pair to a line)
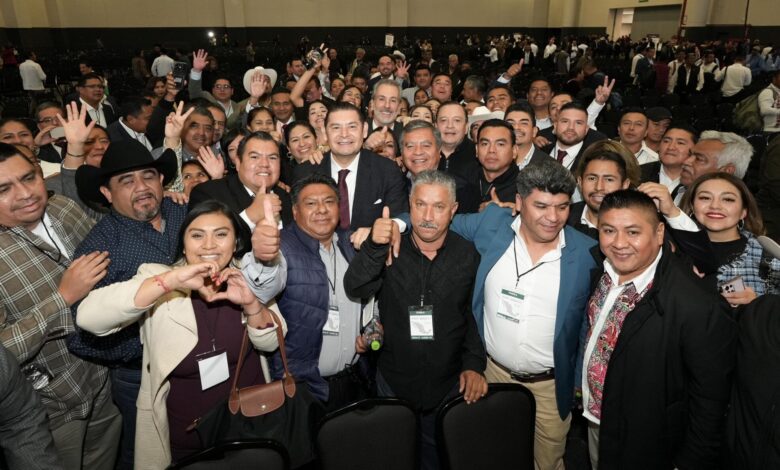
498, 429
264, 453
376, 433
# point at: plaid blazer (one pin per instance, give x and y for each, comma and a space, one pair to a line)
34, 319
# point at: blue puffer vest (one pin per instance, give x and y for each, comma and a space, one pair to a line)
304, 304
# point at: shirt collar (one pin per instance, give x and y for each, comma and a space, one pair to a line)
641, 281
584, 219
89, 106
572, 151
527, 159
353, 167
128, 130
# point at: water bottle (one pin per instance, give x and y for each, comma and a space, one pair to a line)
373, 335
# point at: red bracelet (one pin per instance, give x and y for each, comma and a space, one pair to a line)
162, 284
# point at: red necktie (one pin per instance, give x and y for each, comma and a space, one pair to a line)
343, 200
561, 155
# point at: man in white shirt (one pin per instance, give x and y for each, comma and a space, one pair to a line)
632, 129
735, 78
386, 99
676, 146
136, 113
91, 89
529, 298
162, 65
32, 74
769, 104
550, 48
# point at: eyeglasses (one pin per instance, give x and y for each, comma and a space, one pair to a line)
222, 87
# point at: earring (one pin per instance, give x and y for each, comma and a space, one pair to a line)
741, 224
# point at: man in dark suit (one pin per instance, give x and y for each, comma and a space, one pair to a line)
522, 119
91, 90
257, 173
367, 182
572, 136
676, 146
136, 112
386, 98
497, 153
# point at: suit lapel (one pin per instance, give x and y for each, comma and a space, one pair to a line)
363, 183
568, 280
238, 193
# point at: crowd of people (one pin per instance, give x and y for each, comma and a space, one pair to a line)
513, 213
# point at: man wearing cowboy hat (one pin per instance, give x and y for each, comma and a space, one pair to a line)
142, 227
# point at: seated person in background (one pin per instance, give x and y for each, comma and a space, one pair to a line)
441, 355
256, 177
725, 207
322, 319
605, 167
183, 313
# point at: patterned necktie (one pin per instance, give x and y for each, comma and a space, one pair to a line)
561, 156
596, 370
343, 200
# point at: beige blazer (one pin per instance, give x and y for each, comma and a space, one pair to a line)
168, 333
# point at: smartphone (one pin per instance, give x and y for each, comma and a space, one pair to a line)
57, 133
179, 74
731, 286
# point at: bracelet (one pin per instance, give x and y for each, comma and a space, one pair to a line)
75, 156
253, 314
162, 284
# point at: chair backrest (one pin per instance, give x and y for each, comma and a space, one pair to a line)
495, 432
377, 433
264, 453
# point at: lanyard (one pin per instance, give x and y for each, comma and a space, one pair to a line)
425, 273
517, 269
332, 283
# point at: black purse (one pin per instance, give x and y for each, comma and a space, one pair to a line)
283, 411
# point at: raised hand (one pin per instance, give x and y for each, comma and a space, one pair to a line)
603, 91
256, 210
198, 276
359, 236
402, 70
662, 198
44, 136
376, 141
75, 126
258, 85
382, 231
174, 123
82, 275
514, 69
199, 60
214, 165
171, 90
266, 238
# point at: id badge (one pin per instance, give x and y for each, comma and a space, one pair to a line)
510, 305
213, 368
421, 322
331, 327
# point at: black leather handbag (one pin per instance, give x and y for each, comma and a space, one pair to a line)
283, 410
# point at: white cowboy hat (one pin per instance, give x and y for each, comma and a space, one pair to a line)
270, 73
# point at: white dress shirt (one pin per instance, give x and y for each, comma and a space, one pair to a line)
526, 159
32, 75
646, 154
640, 283
139, 136
351, 177
667, 181
735, 77
96, 115
162, 66
571, 154
525, 346
45, 231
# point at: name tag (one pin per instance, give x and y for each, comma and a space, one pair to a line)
213, 369
331, 327
421, 322
510, 304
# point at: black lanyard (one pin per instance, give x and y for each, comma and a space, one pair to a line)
333, 283
425, 273
517, 269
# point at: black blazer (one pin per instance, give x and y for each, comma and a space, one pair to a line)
538, 156
231, 191
110, 111
48, 153
379, 183
590, 138
575, 214
116, 132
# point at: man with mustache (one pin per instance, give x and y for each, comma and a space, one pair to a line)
432, 350
141, 227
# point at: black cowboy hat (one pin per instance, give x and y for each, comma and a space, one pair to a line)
121, 157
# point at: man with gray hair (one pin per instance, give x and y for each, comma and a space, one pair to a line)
717, 151
474, 88
421, 145
432, 349
386, 98
530, 295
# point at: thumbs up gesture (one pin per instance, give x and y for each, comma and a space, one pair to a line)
382, 231
514, 69
266, 238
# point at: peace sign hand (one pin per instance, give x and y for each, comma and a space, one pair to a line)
174, 123
603, 91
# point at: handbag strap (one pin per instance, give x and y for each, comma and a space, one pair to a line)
245, 345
